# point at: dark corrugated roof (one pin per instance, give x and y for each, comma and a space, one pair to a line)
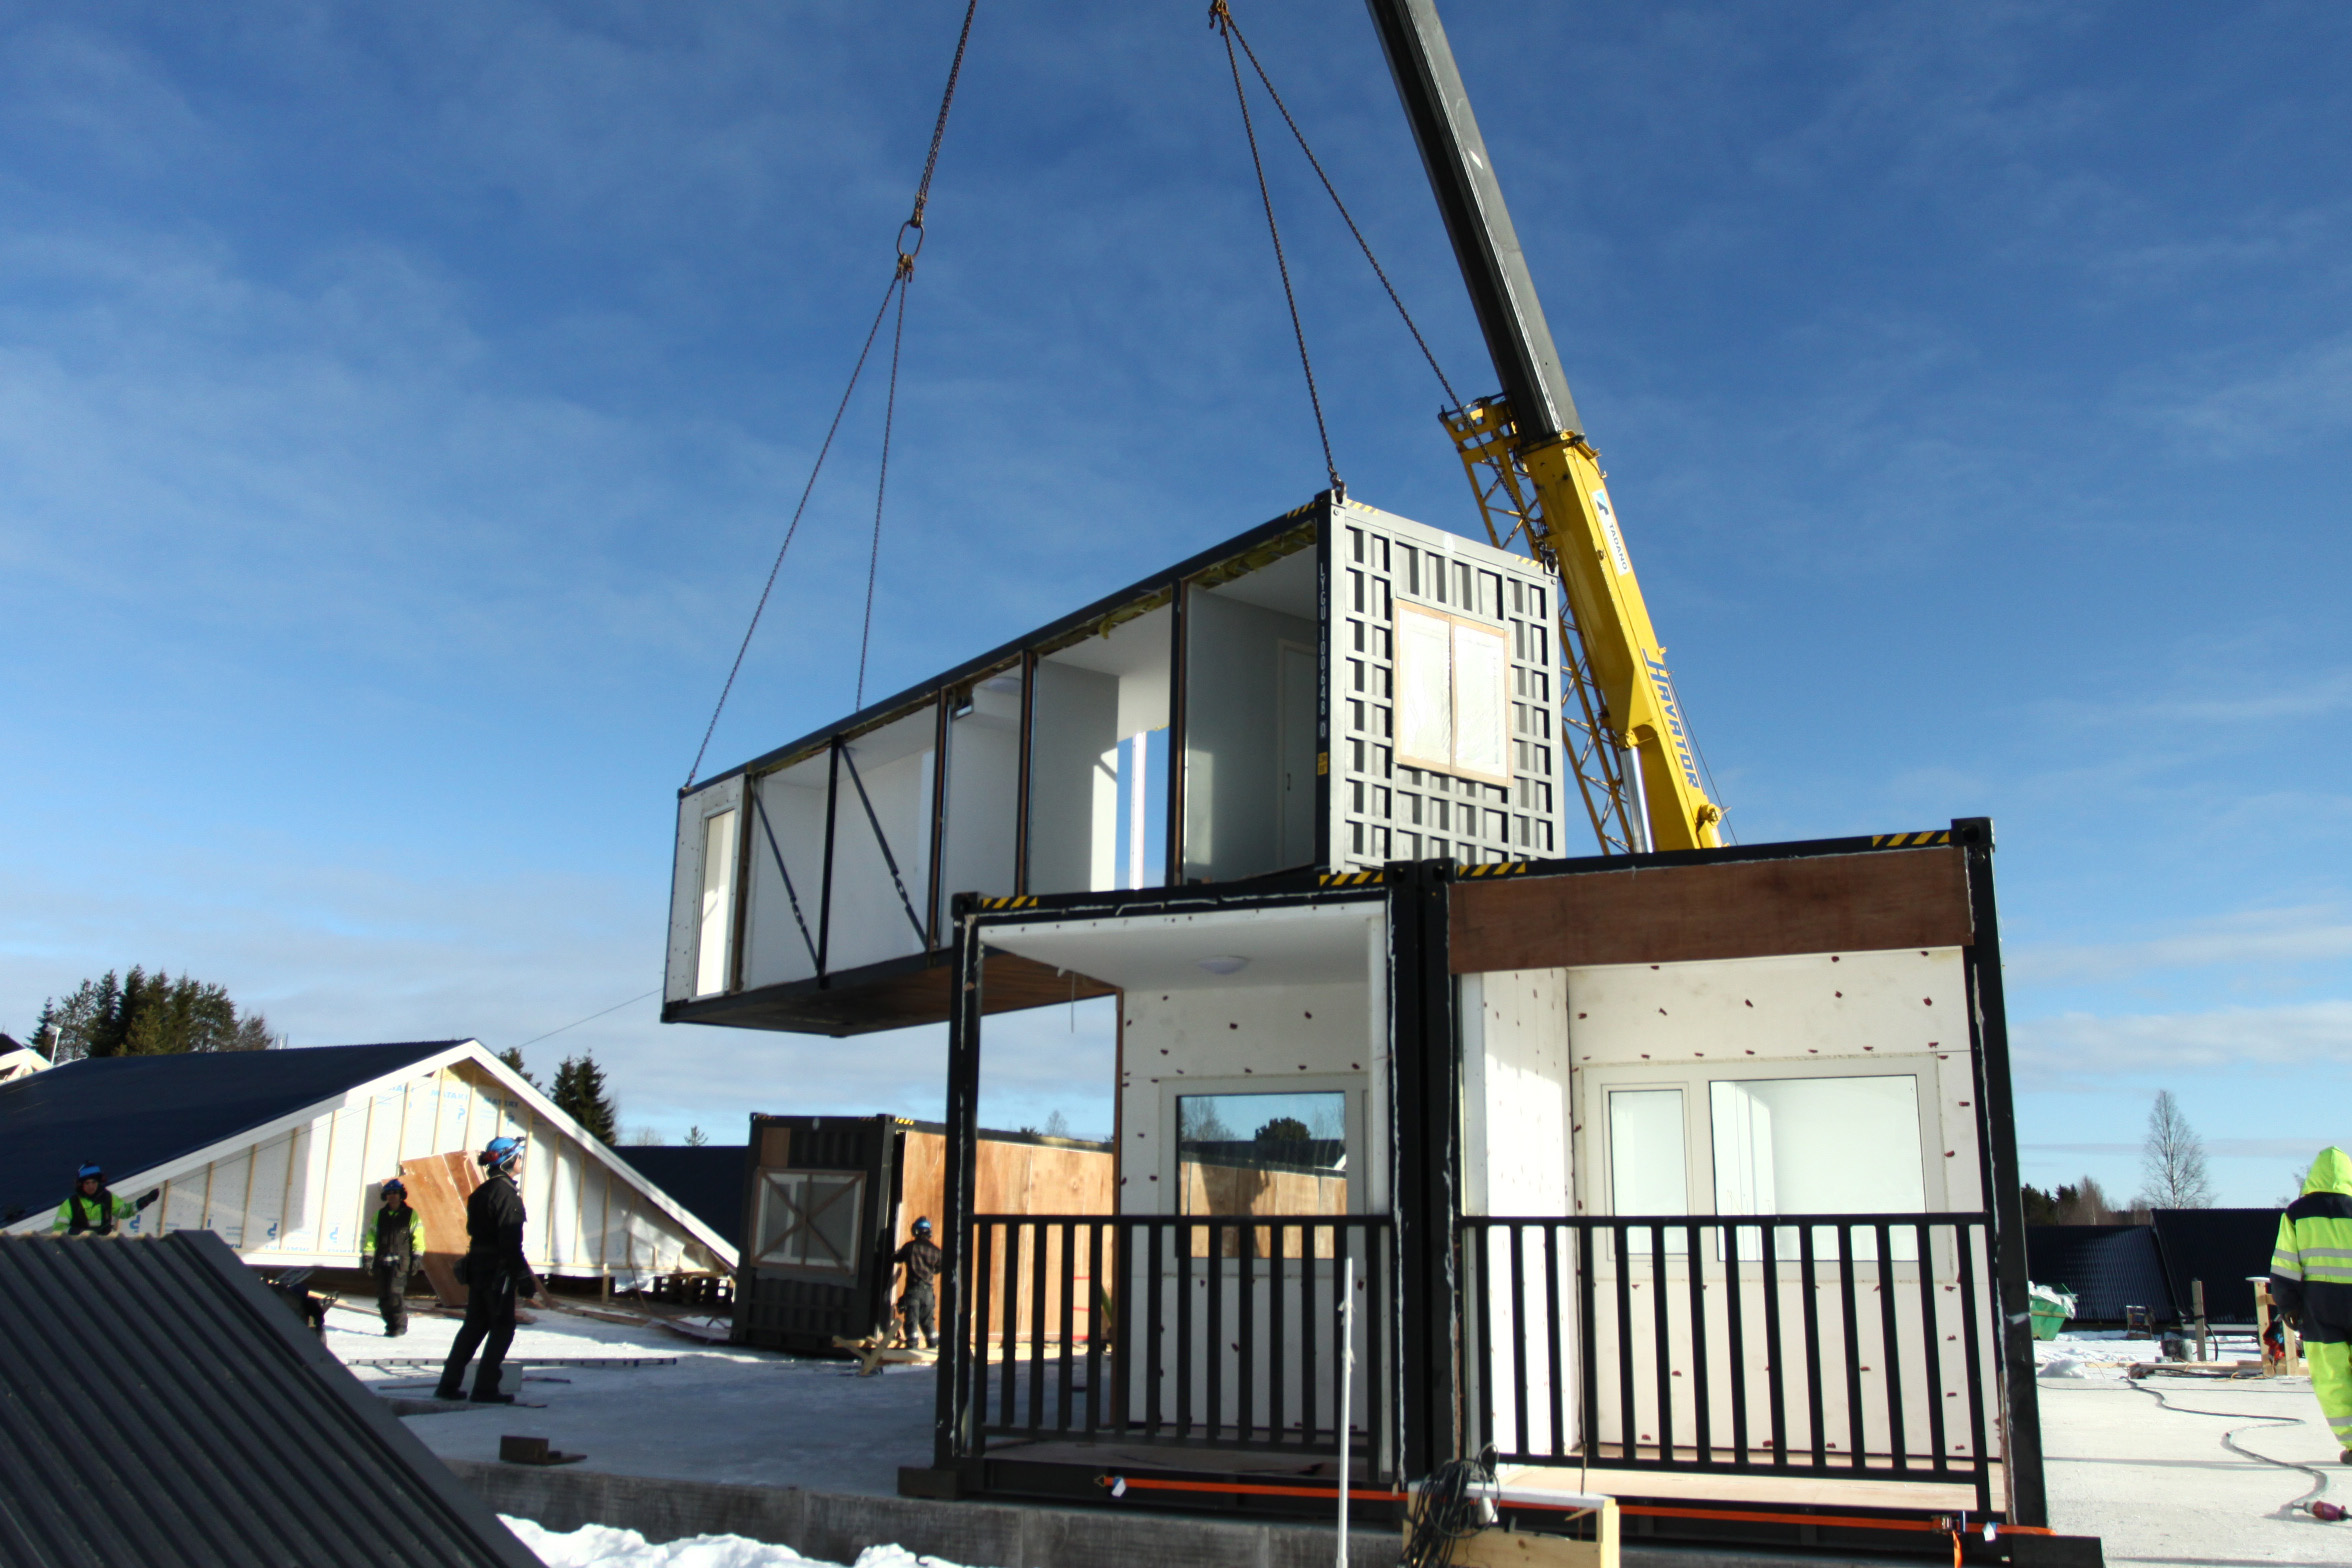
2108, 1267
158, 1405
133, 1113
707, 1178
2222, 1247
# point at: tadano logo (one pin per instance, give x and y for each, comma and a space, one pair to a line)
1608, 516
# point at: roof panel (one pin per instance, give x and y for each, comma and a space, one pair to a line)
133, 1113
158, 1405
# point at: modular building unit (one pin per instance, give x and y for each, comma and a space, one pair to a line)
1687, 1178
1334, 689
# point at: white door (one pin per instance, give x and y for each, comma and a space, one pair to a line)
1295, 720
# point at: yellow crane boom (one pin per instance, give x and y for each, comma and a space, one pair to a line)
1539, 481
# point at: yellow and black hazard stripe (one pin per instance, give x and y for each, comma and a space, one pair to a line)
1350, 878
1017, 901
1910, 840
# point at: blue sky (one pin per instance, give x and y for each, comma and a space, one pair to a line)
399, 405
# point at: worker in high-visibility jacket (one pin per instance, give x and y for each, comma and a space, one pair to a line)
92, 1209
2311, 1284
394, 1246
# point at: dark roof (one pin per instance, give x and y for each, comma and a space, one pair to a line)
2108, 1267
133, 1113
158, 1405
707, 1178
2222, 1247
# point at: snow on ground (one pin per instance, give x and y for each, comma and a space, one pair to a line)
595, 1546
2106, 1355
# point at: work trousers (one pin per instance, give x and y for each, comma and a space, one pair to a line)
392, 1295
490, 1325
2331, 1381
919, 1308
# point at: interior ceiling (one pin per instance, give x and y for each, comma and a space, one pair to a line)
1287, 586
1296, 945
1132, 648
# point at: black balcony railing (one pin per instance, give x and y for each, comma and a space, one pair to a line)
1825, 1345
1211, 1331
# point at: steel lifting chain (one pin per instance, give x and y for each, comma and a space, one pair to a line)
901, 273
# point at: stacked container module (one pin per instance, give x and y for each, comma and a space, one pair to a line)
1335, 689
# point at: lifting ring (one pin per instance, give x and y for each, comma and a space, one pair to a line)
904, 254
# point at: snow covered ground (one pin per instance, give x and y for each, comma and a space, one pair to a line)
595, 1546
718, 1412
2105, 1354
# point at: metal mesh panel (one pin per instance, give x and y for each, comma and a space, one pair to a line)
1383, 809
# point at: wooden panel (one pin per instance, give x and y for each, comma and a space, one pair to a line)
438, 1186
922, 1181
1742, 909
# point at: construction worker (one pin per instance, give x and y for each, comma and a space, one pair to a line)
494, 1272
394, 1242
918, 1305
91, 1209
2311, 1282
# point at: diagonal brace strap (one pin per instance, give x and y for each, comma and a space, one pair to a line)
760, 807
922, 935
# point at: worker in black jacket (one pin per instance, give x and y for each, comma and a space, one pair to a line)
918, 1305
495, 1273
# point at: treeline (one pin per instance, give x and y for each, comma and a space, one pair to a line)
142, 1014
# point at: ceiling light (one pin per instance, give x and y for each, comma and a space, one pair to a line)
1225, 964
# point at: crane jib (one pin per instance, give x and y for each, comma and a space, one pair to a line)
1673, 712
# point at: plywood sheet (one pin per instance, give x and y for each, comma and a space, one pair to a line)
1741, 909
438, 1186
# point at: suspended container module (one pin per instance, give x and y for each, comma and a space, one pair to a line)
1330, 691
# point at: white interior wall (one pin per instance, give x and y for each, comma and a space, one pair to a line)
1515, 1149
869, 922
1233, 733
983, 792
1076, 721
1241, 1039
791, 812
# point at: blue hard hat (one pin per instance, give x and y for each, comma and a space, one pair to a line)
393, 1186
922, 1226
501, 1151
88, 1172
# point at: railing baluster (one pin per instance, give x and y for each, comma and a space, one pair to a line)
1097, 1324
1588, 1437
1628, 1425
1184, 1319
1519, 1339
1735, 1341
1661, 1354
1891, 1347
1069, 1283
1850, 1325
1311, 1332
1698, 1333
1277, 1325
1810, 1276
1155, 1362
1554, 1340
1931, 1329
1968, 1332
1126, 1347
1215, 1362
1245, 1414
1039, 1322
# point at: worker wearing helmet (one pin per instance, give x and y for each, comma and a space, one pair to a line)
395, 1240
91, 1209
495, 1273
2311, 1283
918, 1305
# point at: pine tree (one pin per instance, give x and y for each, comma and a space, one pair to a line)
580, 1094
147, 1015
513, 1057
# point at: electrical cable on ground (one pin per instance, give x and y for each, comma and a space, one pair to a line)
1444, 1512
901, 272
2230, 1442
1222, 20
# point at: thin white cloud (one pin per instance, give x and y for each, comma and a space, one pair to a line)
2086, 1047
2252, 939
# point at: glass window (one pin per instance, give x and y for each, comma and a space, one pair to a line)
718, 903
1262, 1153
1647, 1163
1818, 1146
